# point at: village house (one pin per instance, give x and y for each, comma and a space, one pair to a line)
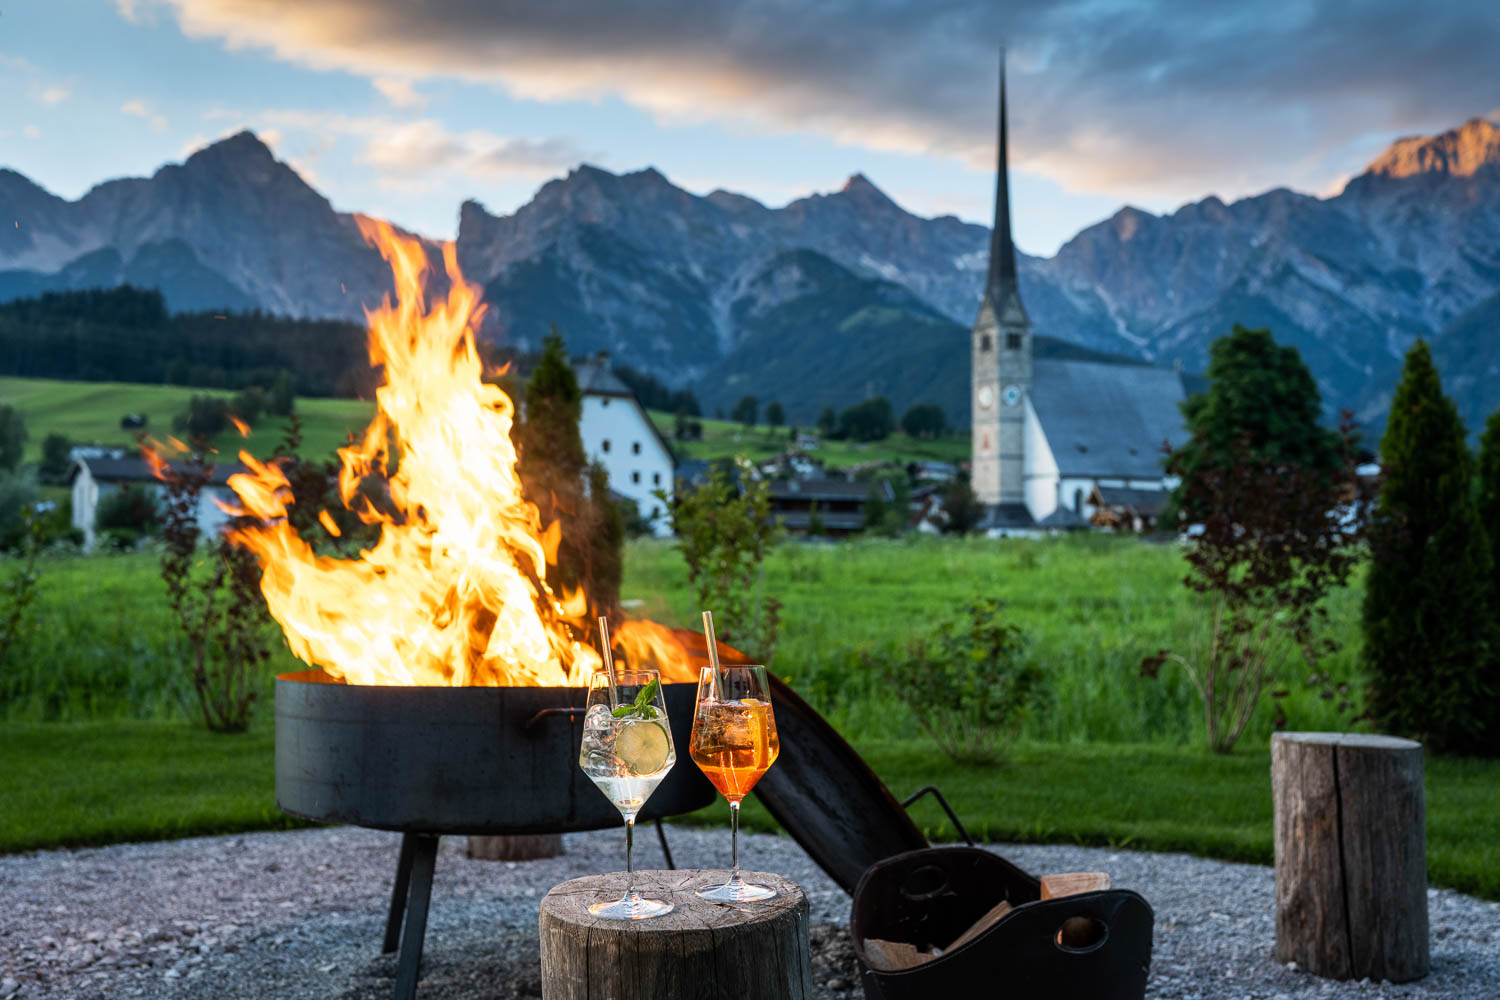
833, 506
94, 476
1055, 441
619, 434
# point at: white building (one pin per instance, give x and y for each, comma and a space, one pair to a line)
1056, 438
618, 433
93, 479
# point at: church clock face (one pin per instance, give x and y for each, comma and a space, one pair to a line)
1011, 394
986, 397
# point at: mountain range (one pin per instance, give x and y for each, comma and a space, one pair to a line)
837, 296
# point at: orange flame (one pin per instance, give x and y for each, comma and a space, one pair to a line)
454, 592
240, 426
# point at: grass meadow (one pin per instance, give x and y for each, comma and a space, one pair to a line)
725, 439
89, 413
96, 745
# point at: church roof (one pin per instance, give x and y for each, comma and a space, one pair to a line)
1105, 420
1001, 281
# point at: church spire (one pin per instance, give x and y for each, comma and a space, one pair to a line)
1002, 276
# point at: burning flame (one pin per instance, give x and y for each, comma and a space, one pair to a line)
454, 592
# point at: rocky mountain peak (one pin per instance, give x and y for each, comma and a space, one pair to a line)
243, 148
862, 189
1458, 152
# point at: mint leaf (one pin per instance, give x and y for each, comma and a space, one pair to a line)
642, 704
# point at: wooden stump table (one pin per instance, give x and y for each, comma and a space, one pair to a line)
1351, 860
748, 951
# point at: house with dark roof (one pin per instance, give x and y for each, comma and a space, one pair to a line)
837, 504
93, 477
618, 433
1052, 437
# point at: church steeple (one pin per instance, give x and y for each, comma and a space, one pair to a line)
1001, 353
1002, 276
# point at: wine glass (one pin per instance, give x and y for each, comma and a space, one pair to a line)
626, 751
733, 743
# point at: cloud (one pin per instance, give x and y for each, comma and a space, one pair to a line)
412, 155
31, 132
53, 96
137, 108
399, 92
1152, 96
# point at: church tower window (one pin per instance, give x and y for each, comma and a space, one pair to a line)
985, 343
1012, 341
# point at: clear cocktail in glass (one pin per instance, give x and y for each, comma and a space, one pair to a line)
626, 752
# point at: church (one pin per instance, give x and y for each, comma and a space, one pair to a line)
1060, 443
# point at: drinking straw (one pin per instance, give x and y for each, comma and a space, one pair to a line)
609, 662
713, 653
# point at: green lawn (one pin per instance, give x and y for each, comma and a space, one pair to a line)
725, 439
89, 413
93, 746
94, 783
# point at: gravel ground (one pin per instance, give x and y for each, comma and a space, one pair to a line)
300, 915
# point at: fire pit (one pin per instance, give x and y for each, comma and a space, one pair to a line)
491, 760
428, 761
450, 699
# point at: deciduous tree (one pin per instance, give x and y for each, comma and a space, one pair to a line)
745, 411
1261, 396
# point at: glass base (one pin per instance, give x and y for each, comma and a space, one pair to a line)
632, 907
735, 891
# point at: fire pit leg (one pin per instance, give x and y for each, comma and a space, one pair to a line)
423, 857
398, 894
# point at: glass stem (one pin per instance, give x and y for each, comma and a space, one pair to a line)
734, 839
629, 872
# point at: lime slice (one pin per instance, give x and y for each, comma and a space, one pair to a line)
643, 747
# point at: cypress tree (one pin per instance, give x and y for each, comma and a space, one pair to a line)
1428, 600
555, 476
1489, 519
1489, 497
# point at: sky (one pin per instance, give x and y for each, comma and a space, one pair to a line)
403, 109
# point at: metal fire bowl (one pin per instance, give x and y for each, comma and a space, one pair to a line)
466, 760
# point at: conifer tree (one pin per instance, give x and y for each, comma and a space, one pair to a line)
1428, 601
555, 476
1489, 497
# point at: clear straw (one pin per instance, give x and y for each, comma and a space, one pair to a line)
609, 662
713, 653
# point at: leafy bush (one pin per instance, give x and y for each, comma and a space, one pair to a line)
217, 603
724, 530
970, 683
1275, 538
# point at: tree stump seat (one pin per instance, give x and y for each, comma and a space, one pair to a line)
748, 951
1351, 860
